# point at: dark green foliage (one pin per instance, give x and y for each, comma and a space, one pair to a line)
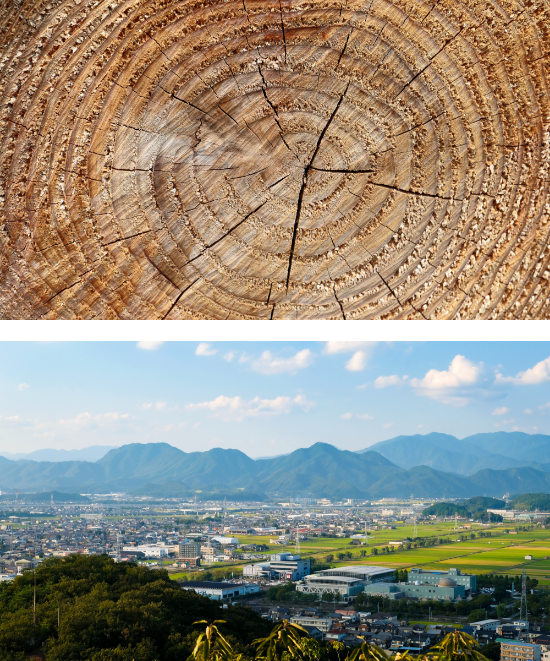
473, 508
110, 611
288, 592
491, 651
531, 501
402, 575
446, 509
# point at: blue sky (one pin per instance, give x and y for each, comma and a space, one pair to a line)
266, 398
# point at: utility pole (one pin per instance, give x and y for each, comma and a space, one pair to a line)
34, 602
523, 615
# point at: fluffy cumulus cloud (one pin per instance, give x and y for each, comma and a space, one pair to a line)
23, 386
501, 411
392, 380
237, 408
268, 363
205, 349
149, 345
532, 376
450, 386
361, 353
158, 406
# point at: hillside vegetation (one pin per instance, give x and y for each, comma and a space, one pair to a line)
473, 508
109, 612
531, 501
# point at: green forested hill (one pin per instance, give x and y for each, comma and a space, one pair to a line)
321, 470
475, 508
532, 501
110, 612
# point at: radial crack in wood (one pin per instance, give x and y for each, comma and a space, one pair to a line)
270, 159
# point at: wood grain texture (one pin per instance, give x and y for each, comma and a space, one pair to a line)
274, 159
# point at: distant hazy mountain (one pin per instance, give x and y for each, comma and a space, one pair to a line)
45, 497
320, 470
499, 450
92, 453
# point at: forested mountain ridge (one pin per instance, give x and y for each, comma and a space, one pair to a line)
495, 451
321, 470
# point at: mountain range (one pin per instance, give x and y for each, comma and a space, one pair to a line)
91, 453
499, 450
427, 466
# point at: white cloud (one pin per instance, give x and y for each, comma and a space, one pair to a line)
528, 411
237, 408
229, 356
543, 406
346, 347
149, 345
85, 421
305, 403
359, 416
23, 386
393, 380
363, 386
357, 362
387, 425
534, 375
501, 411
205, 349
157, 405
267, 363
450, 386
361, 353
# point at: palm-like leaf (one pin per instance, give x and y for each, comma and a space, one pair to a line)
283, 640
212, 646
455, 647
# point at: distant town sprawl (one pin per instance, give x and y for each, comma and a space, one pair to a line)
329, 566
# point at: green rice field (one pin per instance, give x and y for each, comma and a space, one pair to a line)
501, 553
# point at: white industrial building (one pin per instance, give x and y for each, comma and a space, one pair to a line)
224, 541
220, 591
150, 550
346, 582
284, 566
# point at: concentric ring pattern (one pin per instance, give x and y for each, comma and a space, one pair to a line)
274, 159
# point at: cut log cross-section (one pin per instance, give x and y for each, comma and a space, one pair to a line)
274, 159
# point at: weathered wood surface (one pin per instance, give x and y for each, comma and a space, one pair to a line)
274, 159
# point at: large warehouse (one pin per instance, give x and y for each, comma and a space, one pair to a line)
346, 581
